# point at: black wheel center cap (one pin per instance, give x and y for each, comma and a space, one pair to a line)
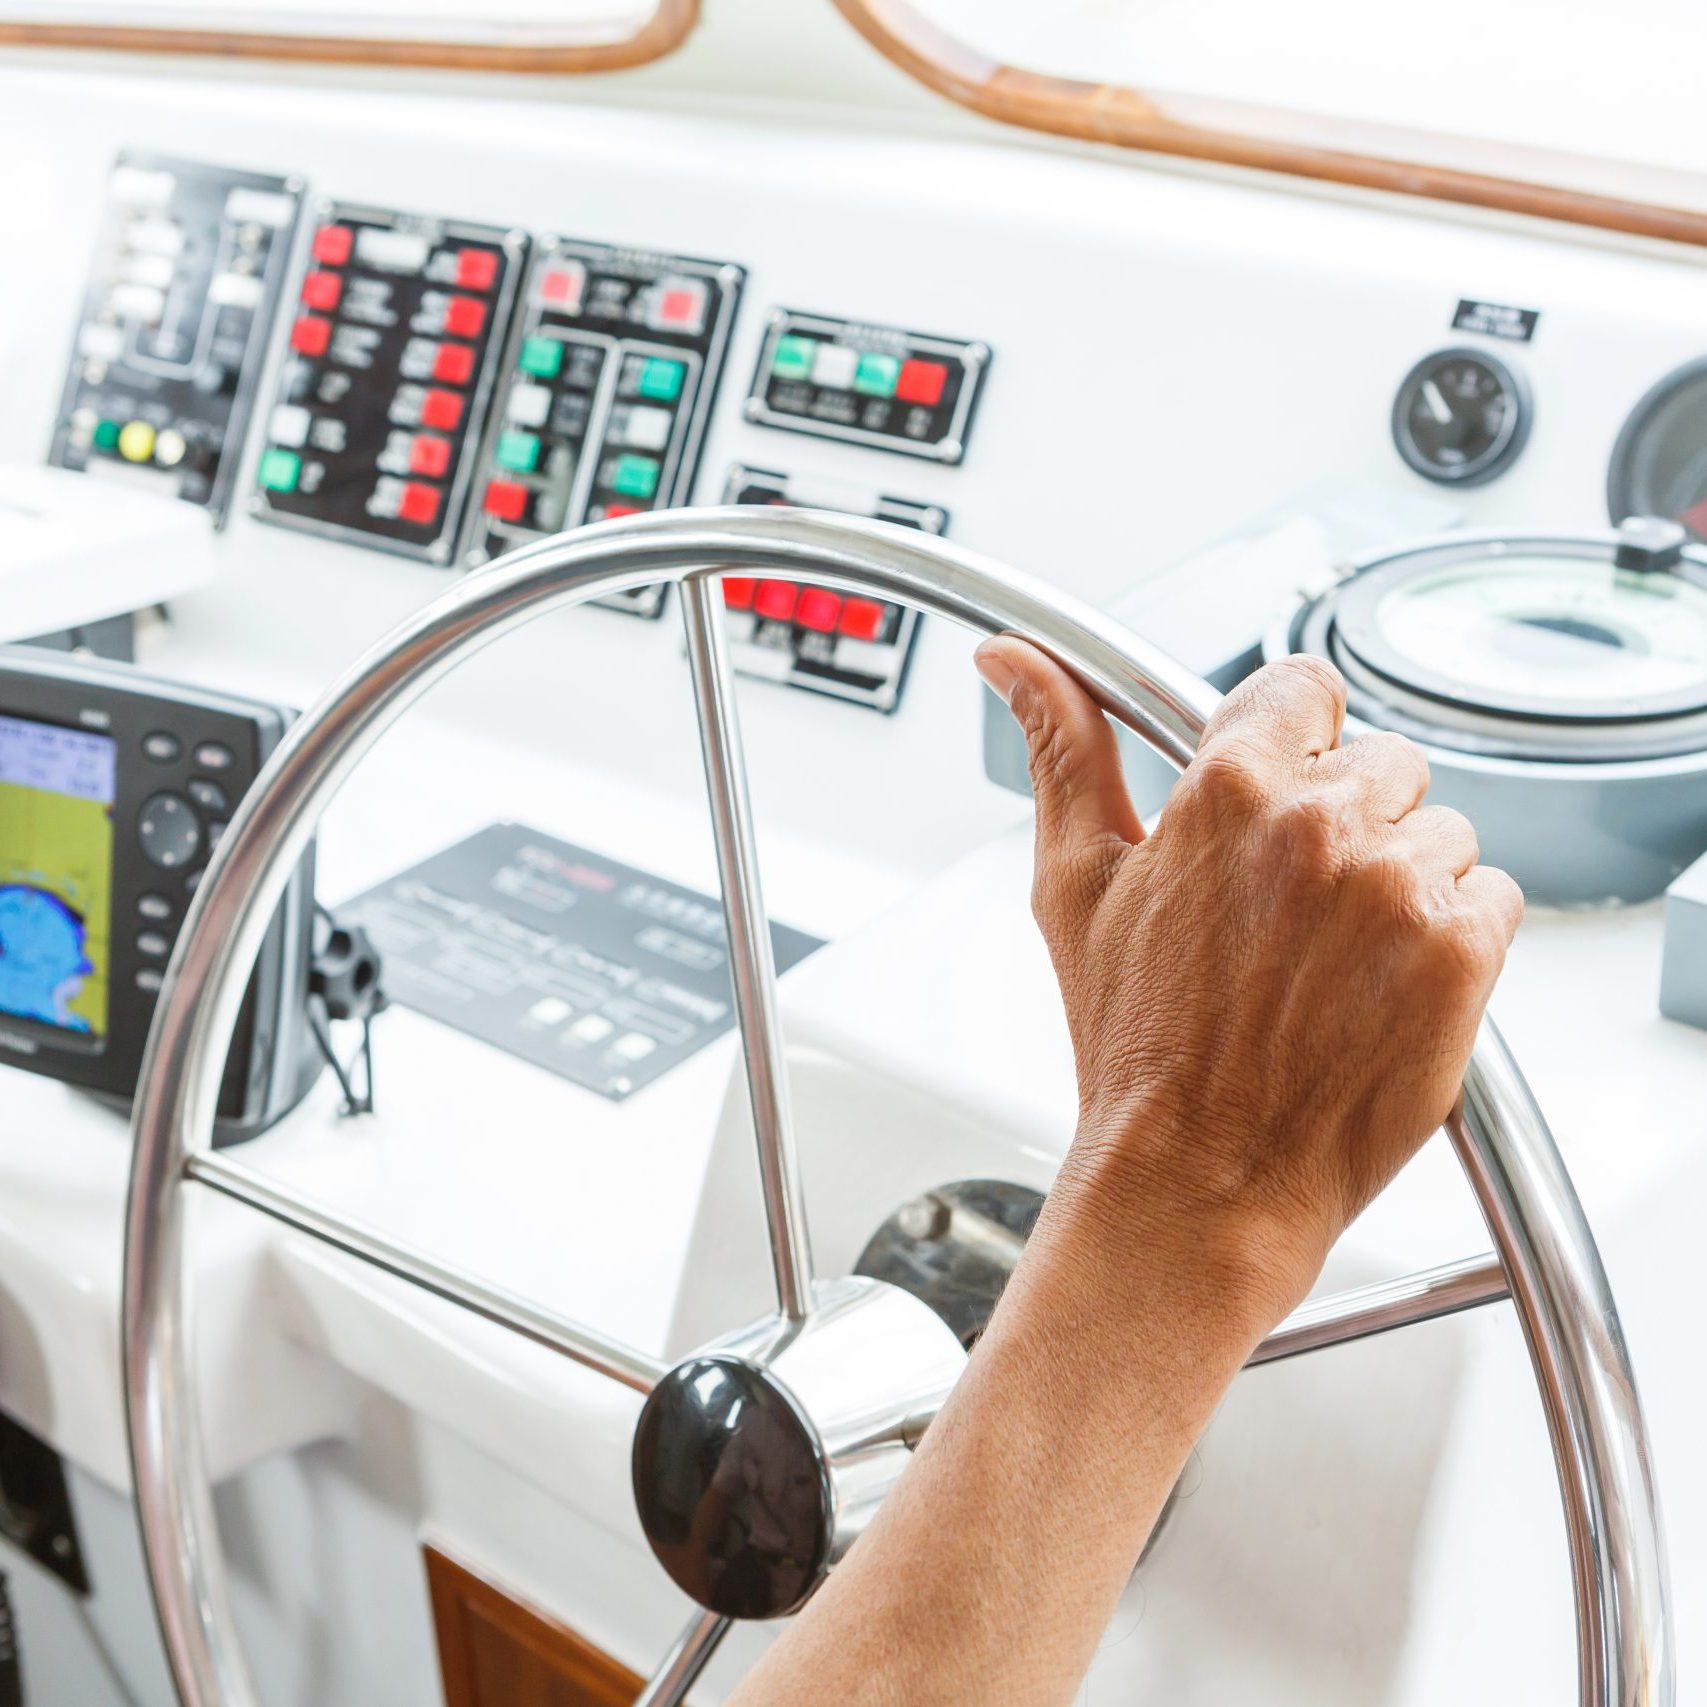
732, 1488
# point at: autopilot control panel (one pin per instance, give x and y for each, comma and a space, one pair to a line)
447, 389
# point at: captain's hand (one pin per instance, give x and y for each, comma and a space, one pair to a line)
1273, 997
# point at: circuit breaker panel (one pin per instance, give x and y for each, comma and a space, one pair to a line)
612, 372
394, 346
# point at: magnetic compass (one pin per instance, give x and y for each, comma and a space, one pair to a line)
1559, 684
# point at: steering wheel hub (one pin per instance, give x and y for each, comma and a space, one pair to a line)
758, 1460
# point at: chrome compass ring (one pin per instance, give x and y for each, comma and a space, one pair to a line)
848, 1445
1558, 683
1523, 646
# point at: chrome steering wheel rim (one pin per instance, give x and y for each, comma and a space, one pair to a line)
1547, 1256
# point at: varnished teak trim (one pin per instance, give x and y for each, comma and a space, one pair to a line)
530, 1660
1244, 135
663, 32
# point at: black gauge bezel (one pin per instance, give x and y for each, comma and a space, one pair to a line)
1391, 691
1500, 455
1623, 498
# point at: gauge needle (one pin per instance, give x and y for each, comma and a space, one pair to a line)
1437, 405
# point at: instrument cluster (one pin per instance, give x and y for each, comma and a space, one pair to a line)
447, 390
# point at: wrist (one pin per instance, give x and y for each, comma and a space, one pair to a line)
1149, 1229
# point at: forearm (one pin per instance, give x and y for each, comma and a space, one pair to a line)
995, 1564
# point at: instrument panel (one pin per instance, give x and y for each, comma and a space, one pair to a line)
186, 276
447, 391
610, 380
394, 347
810, 637
870, 385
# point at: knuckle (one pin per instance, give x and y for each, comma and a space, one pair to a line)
1304, 674
1228, 776
1387, 885
1459, 831
1386, 749
1317, 832
1467, 950
1316, 672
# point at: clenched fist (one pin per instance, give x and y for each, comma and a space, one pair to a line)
1273, 996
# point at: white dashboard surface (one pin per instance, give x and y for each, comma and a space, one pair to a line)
1176, 354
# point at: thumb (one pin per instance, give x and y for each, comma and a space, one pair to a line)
1076, 777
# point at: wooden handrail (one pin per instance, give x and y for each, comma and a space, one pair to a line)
669, 26
1241, 134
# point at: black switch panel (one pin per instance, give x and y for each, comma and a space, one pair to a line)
395, 339
611, 375
848, 645
870, 385
187, 273
35, 1504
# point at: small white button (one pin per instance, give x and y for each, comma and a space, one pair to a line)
387, 499
633, 1046
773, 663
289, 425
529, 405
647, 429
142, 186
834, 365
392, 251
156, 236
864, 657
235, 290
260, 207
214, 756
154, 271
591, 1028
101, 343
550, 1010
138, 302
170, 448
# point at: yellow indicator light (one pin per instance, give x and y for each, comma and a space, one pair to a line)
136, 441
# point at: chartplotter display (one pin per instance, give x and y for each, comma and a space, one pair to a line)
56, 874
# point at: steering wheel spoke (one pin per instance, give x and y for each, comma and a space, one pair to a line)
606, 1356
684, 1662
1379, 1308
751, 960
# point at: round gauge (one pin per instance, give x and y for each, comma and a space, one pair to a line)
1461, 417
1659, 464
1558, 684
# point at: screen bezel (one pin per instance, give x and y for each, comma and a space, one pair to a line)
107, 699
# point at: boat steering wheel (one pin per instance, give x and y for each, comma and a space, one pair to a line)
811, 1413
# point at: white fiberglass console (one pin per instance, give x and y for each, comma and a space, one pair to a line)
1160, 361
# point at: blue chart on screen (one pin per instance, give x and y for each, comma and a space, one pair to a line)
56, 874
43, 961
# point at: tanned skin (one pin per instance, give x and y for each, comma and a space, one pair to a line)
1272, 999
